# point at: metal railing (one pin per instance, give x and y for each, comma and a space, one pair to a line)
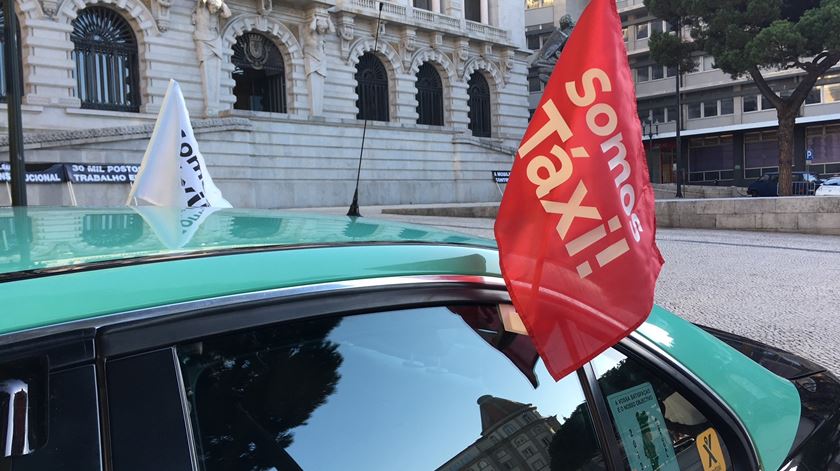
411, 15
625, 4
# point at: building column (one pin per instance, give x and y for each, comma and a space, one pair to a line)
485, 11
436, 6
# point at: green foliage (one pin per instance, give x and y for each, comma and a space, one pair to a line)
743, 35
668, 50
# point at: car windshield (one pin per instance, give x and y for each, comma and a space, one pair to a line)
832, 182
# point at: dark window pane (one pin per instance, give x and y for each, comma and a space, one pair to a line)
659, 428
656, 26
672, 114
657, 72
711, 157
534, 42
750, 103
371, 88
259, 74
760, 151
643, 74
423, 389
479, 105
727, 106
659, 115
710, 109
814, 96
472, 10
424, 4
766, 104
429, 96
642, 31
671, 72
694, 110
105, 53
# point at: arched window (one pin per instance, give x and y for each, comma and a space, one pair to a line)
259, 73
372, 88
479, 103
429, 96
105, 53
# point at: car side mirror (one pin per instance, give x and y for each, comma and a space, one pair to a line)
23, 406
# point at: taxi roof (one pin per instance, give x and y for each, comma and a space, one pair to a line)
39, 240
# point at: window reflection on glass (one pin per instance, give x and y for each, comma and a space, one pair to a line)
683, 424
750, 103
423, 389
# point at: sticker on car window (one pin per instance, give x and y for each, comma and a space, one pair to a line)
711, 453
641, 426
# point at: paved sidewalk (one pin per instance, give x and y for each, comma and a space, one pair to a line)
783, 289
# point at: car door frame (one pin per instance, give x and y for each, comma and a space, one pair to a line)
153, 329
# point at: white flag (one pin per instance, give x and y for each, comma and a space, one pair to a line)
174, 227
173, 172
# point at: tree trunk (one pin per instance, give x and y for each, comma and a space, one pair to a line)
787, 121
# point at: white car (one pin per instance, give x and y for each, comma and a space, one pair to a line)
830, 187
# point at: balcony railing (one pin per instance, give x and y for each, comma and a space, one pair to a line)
486, 30
430, 19
628, 4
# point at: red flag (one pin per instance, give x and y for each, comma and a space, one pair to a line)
576, 228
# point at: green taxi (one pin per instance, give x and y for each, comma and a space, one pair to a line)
242, 340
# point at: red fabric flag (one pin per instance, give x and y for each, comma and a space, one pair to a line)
576, 228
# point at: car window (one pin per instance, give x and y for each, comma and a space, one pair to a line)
658, 428
764, 178
422, 389
774, 178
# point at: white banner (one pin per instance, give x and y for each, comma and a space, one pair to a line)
173, 172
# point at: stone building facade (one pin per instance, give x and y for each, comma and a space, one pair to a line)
273, 88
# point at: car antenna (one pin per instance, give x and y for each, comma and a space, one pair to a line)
354, 206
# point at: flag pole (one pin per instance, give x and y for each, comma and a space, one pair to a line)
354, 206
13, 101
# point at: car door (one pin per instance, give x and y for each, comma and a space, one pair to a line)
423, 375
440, 386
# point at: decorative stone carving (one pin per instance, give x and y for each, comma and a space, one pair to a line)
264, 7
160, 11
315, 58
437, 40
461, 55
408, 44
346, 32
208, 41
50, 7
507, 64
545, 59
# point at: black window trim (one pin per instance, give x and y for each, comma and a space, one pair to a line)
213, 317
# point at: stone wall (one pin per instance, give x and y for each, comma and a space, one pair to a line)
805, 214
309, 155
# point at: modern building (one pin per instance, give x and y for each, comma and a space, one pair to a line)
729, 132
279, 91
